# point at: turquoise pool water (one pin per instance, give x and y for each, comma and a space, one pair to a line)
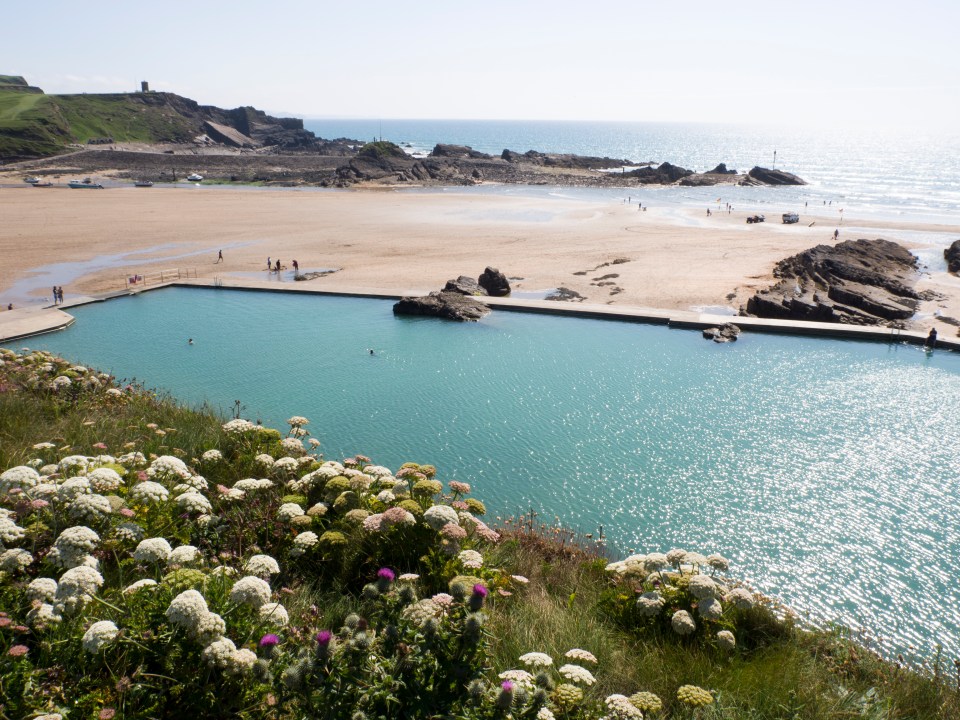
825, 469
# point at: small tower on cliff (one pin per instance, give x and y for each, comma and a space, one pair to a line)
144, 86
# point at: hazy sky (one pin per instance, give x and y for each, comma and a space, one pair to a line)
846, 63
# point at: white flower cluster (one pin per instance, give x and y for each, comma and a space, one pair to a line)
303, 542
212, 456
650, 603
104, 479
76, 586
99, 635
139, 585
520, 678
132, 460
128, 532
73, 488
149, 492
620, 708
74, 464
274, 614
21, 476
250, 484
168, 467
740, 598
194, 502
289, 511
153, 550
250, 590
238, 426
470, 559
682, 623
42, 590
577, 674
73, 546
90, 508
293, 446
10, 532
184, 555
536, 660
439, 515
702, 587
261, 566
15, 561
223, 655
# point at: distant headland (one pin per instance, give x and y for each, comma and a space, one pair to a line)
162, 137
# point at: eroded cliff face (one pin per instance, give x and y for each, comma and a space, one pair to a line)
858, 282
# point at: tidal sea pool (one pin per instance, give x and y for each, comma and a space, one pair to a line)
826, 470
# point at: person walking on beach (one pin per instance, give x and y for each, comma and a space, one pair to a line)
219, 257
55, 296
296, 268
59, 291
269, 266
278, 266
836, 235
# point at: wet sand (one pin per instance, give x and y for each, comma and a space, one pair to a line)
677, 258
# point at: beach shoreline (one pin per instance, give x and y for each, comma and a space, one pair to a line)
610, 252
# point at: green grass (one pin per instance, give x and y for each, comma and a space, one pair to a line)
34, 125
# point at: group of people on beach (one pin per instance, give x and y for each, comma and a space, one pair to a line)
276, 268
57, 295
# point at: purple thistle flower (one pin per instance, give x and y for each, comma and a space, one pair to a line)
480, 590
386, 574
323, 637
507, 686
269, 641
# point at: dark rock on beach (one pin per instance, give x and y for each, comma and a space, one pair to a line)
721, 169
562, 294
857, 282
765, 176
465, 286
494, 282
447, 305
952, 256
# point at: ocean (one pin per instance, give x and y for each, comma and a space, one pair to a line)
910, 176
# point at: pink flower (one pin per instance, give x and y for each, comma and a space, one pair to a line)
127, 512
100, 446
18, 651
38, 504
107, 714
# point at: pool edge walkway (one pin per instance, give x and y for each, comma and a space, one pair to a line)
26, 322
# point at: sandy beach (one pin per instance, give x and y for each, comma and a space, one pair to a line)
676, 257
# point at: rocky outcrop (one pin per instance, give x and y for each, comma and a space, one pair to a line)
563, 160
952, 256
728, 332
721, 169
663, 174
765, 176
562, 294
494, 282
465, 286
228, 135
858, 282
447, 305
458, 151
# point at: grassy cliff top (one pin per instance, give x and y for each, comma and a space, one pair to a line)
36, 125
